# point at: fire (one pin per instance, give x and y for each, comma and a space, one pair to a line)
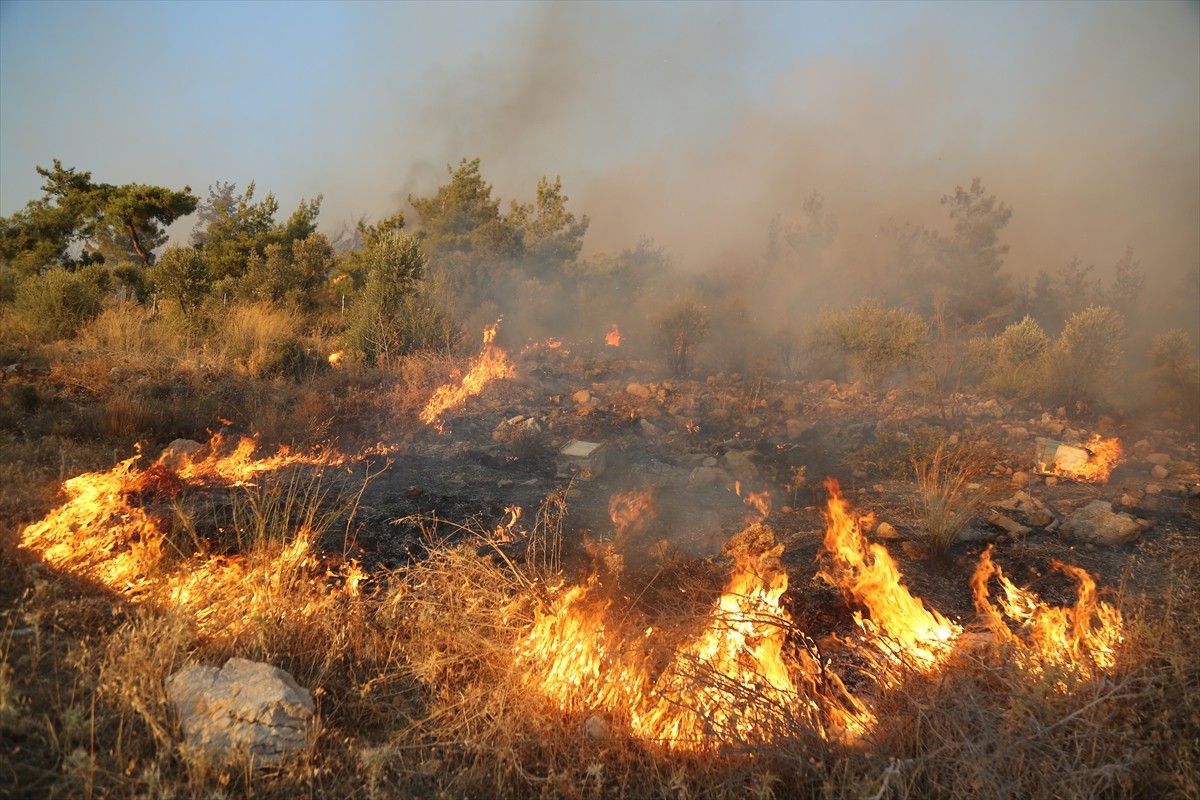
492, 363
1105, 456
335, 358
758, 504
114, 528
1071, 642
613, 337
899, 624
737, 682
629, 512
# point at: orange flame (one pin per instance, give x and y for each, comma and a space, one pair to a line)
491, 364
629, 512
1072, 642
335, 359
613, 337
899, 624
737, 682
1092, 462
112, 528
757, 503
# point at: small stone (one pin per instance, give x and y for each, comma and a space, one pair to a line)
1159, 472
581, 397
595, 727
887, 532
1162, 459
504, 483
1153, 488
1098, 523
1020, 479
649, 428
1051, 480
638, 390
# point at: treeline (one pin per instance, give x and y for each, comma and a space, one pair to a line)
942, 311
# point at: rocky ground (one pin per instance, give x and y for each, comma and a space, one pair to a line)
695, 444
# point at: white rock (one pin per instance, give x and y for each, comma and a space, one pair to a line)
244, 707
1096, 522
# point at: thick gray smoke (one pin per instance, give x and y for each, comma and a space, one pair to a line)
1091, 134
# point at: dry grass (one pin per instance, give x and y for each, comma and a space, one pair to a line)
946, 499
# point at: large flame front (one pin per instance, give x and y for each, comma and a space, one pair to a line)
1070, 642
737, 682
492, 363
899, 624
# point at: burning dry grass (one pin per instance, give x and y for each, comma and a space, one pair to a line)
473, 672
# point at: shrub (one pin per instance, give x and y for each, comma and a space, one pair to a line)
1016, 359
1174, 374
878, 341
1083, 360
679, 328
54, 305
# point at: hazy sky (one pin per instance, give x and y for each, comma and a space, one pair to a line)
690, 122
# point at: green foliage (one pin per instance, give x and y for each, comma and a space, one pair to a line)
550, 235
878, 341
1014, 361
184, 277
679, 328
392, 315
967, 264
1174, 374
463, 217
53, 306
293, 275
1085, 357
79, 222
234, 228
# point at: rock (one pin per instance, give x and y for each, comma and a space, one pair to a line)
1020, 479
797, 428
1029, 510
178, 453
738, 462
1161, 459
1007, 524
887, 532
649, 428
709, 461
582, 396
504, 483
245, 707
638, 390
1158, 472
702, 476
1097, 522
515, 428
1153, 488
595, 727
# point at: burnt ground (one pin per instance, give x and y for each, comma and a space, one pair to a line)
693, 443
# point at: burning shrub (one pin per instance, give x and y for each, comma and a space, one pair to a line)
679, 328
877, 341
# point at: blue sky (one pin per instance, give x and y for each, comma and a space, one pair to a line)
690, 122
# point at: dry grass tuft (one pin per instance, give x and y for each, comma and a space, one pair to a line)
945, 498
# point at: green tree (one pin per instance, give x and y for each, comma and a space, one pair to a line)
183, 275
233, 228
968, 262
463, 217
55, 304
550, 235
294, 275
79, 222
386, 321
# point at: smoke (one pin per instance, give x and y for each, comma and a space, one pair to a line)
1089, 130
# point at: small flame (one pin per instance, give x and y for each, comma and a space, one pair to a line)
899, 624
757, 503
335, 359
613, 337
492, 363
1092, 462
630, 512
1072, 642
